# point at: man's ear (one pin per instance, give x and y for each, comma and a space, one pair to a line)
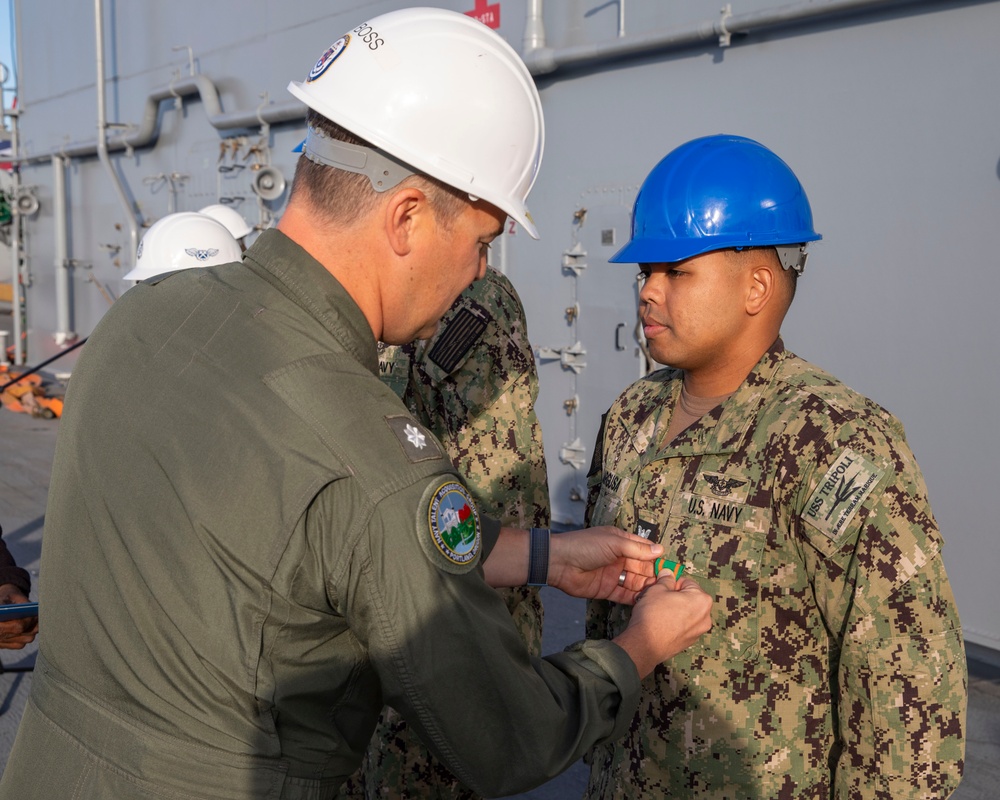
405, 210
762, 286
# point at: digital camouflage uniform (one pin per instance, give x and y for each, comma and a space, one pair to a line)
474, 384
835, 665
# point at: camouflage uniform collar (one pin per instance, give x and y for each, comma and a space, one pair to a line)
722, 429
646, 414
307, 283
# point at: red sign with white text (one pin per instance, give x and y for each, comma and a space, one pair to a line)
487, 13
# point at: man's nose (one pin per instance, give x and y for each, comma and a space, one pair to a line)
651, 290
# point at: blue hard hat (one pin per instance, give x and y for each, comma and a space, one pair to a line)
715, 193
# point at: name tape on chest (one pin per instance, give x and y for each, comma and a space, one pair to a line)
610, 498
716, 497
711, 509
841, 492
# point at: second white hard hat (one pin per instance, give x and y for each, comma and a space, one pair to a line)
182, 241
442, 93
230, 217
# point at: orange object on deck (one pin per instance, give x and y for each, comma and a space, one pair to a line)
28, 395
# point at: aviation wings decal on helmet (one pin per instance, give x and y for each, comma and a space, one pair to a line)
441, 93
182, 241
715, 193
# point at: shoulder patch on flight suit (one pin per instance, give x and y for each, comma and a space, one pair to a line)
841, 492
417, 442
461, 334
452, 534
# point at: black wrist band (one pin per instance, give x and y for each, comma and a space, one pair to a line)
538, 557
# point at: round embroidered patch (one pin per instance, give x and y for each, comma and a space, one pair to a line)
329, 57
454, 524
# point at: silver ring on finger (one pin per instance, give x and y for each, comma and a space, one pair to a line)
621, 578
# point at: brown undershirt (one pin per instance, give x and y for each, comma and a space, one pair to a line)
690, 409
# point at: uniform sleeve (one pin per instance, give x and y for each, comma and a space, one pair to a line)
451, 661
901, 687
475, 388
10, 572
496, 447
595, 624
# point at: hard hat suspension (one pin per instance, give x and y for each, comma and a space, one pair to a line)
792, 257
379, 167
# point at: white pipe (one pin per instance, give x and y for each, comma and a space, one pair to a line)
63, 332
15, 249
17, 52
15, 228
102, 142
534, 27
544, 60
204, 88
539, 58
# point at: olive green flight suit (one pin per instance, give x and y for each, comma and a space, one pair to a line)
251, 546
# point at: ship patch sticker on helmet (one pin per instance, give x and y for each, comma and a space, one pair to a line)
331, 55
453, 523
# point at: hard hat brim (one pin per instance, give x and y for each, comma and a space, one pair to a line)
650, 250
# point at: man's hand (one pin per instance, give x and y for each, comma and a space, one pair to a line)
668, 617
16, 633
590, 562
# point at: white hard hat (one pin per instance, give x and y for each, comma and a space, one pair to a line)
229, 217
442, 93
182, 241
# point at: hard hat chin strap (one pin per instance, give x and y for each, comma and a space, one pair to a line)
792, 256
379, 167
